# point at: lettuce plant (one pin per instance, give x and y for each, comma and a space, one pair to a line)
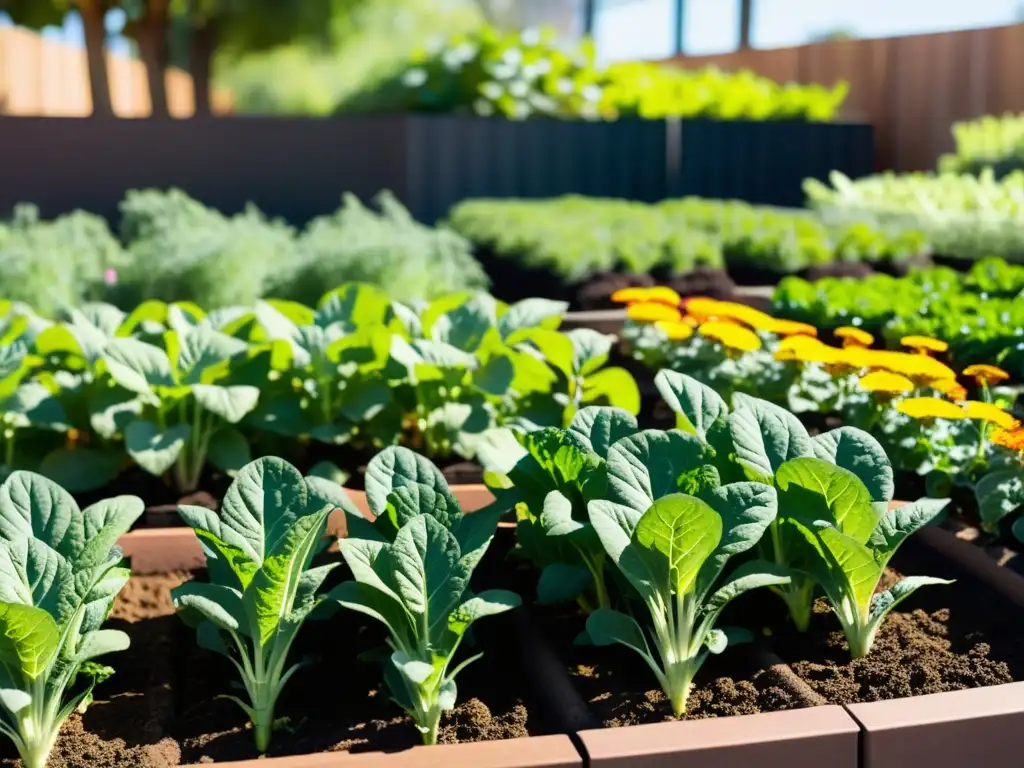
61, 572
850, 544
673, 553
258, 550
412, 569
189, 405
24, 404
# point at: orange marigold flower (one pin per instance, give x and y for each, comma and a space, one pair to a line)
675, 330
950, 388
976, 409
730, 335
712, 309
924, 344
792, 328
650, 312
886, 383
854, 337
986, 374
930, 408
1009, 438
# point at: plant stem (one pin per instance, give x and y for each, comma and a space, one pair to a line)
433, 723
9, 433
982, 433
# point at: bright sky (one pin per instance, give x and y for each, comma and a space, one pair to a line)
644, 28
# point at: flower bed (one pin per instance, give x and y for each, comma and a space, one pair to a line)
920, 409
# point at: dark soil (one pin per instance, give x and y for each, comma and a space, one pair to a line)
945, 638
160, 708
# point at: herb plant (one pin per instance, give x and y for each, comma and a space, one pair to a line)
412, 569
60, 571
258, 551
673, 553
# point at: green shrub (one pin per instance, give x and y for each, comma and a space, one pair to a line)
988, 142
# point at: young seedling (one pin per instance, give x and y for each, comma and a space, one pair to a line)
673, 554
412, 574
258, 550
59, 574
847, 544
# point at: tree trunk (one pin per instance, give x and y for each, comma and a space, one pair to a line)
746, 21
93, 13
151, 34
204, 43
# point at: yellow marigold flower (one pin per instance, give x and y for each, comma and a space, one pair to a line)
1009, 438
924, 344
702, 308
986, 374
930, 408
690, 320
675, 330
854, 337
886, 383
755, 318
791, 328
659, 294
950, 388
976, 409
650, 312
730, 335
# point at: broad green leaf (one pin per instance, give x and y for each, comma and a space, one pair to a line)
229, 450
750, 575
555, 348
613, 387
29, 639
685, 530
33, 404
408, 501
560, 583
812, 489
607, 627
220, 605
599, 428
439, 354
765, 436
230, 403
104, 523
328, 470
465, 326
697, 406
34, 509
80, 470
488, 603
113, 410
885, 601
999, 493
856, 564
430, 577
895, 525
746, 509
531, 313
857, 451
646, 466
590, 350
496, 376
614, 525
372, 602
395, 467
152, 449
354, 305
138, 366
556, 517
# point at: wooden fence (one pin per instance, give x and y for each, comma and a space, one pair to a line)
43, 77
911, 88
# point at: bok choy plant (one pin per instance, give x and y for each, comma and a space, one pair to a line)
412, 569
189, 405
673, 553
847, 544
59, 574
258, 550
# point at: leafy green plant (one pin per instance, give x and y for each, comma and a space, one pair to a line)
412, 570
189, 405
61, 572
673, 553
262, 589
25, 406
852, 542
987, 142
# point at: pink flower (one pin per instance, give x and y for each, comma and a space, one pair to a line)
110, 276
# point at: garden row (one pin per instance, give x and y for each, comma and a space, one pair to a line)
575, 240
173, 248
101, 396
988, 142
946, 431
646, 585
528, 74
